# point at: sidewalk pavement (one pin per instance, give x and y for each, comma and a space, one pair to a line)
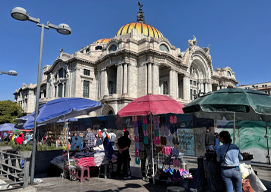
57, 184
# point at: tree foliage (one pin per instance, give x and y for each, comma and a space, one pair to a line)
10, 110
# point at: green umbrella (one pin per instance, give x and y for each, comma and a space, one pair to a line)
244, 104
233, 104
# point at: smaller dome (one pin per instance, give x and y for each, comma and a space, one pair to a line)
105, 40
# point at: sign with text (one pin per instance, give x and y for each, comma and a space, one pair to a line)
186, 139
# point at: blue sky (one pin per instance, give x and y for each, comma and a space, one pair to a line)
238, 31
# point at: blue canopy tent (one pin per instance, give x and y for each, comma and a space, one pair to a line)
7, 127
65, 108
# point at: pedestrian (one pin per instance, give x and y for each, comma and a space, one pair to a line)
228, 155
89, 139
81, 135
104, 133
112, 138
209, 140
99, 138
19, 140
123, 155
216, 142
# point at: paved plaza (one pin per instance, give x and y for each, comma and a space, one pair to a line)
57, 184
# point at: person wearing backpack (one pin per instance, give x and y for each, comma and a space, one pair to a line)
112, 138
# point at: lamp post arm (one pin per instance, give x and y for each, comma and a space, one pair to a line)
49, 25
35, 20
3, 72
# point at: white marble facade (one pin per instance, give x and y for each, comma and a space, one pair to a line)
134, 63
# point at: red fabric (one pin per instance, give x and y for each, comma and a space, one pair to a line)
85, 162
156, 104
19, 140
100, 134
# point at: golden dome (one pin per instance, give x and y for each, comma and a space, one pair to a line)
105, 40
140, 27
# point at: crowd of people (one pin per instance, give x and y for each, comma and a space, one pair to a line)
18, 138
123, 145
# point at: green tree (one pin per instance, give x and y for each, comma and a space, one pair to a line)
10, 110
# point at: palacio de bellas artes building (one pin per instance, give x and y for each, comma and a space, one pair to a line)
139, 60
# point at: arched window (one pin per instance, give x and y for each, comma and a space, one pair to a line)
163, 47
228, 73
112, 48
60, 87
61, 73
98, 48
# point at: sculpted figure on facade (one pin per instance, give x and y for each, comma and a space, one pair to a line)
192, 42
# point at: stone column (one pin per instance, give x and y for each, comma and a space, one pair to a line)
102, 83
119, 79
125, 80
155, 79
177, 85
145, 67
129, 79
149, 78
186, 88
106, 92
170, 82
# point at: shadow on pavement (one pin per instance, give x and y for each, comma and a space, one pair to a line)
148, 186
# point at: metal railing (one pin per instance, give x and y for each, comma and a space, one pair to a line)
11, 167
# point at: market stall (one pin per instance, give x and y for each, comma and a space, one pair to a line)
147, 127
84, 161
235, 104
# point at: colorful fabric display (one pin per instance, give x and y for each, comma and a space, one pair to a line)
164, 150
138, 161
136, 130
162, 131
146, 133
156, 133
85, 162
166, 130
156, 126
137, 145
139, 123
158, 119
144, 127
146, 140
136, 138
169, 139
136, 152
156, 140
145, 120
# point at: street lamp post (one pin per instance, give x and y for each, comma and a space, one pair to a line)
11, 72
22, 15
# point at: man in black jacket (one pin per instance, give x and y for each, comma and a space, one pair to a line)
209, 140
